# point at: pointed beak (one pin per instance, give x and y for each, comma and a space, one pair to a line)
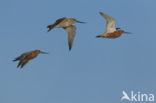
127, 32
80, 22
43, 52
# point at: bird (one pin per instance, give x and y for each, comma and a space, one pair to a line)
125, 96
26, 57
66, 24
111, 30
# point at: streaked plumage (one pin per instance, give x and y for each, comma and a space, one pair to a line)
26, 57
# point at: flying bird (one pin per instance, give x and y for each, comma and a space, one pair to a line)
111, 30
27, 56
66, 24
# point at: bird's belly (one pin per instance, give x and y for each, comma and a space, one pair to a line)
113, 35
32, 56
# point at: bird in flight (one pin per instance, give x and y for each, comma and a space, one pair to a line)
27, 56
66, 24
111, 30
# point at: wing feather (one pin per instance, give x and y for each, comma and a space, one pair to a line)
110, 25
71, 35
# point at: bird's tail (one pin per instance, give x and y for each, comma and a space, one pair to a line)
98, 36
50, 27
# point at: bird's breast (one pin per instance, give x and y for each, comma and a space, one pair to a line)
31, 56
113, 35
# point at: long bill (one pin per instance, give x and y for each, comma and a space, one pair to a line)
80, 21
43, 52
127, 32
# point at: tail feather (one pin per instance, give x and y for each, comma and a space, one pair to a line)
50, 27
98, 36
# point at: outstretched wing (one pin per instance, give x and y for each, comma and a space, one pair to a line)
22, 56
71, 35
110, 26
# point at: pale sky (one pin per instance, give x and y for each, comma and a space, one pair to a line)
96, 70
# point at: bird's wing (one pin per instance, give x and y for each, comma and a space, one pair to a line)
19, 64
25, 55
22, 56
22, 59
25, 61
59, 20
110, 26
71, 35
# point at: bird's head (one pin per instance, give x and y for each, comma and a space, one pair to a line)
40, 52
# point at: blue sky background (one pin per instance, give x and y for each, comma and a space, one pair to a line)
96, 70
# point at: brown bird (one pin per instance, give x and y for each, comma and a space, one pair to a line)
27, 56
66, 23
111, 30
